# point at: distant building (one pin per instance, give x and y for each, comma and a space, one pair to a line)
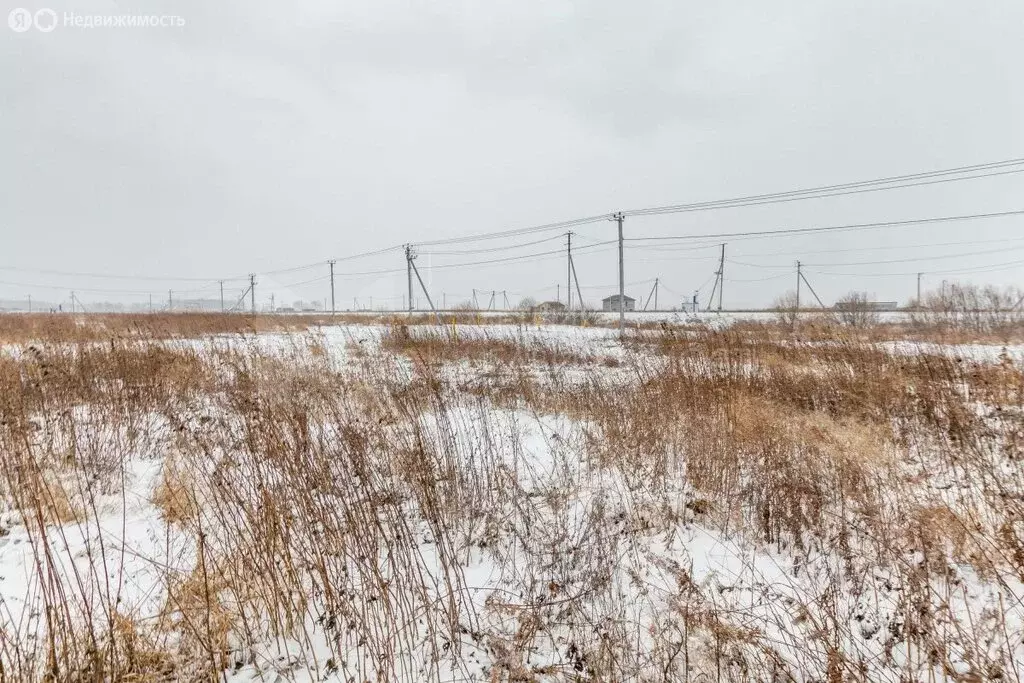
197, 304
611, 303
550, 307
867, 305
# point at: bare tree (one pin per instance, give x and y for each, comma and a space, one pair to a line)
855, 310
786, 309
527, 303
971, 308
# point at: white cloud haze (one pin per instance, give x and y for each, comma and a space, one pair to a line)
262, 135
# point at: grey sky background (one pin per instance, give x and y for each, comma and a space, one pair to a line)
262, 136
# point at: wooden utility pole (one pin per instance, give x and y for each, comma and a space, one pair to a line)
408, 273
576, 279
619, 218
252, 292
568, 270
721, 277
425, 292
654, 294
808, 283
798, 278
331, 264
719, 283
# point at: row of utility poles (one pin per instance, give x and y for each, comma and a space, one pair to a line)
572, 281
570, 277
251, 291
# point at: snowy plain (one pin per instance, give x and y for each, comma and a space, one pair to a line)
652, 544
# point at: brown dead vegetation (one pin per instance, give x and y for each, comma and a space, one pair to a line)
307, 490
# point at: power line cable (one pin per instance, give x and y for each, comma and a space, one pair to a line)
106, 276
493, 249
293, 285
758, 279
915, 259
954, 174
319, 264
562, 225
365, 273
835, 228
978, 269
93, 290
522, 257
672, 248
971, 172
881, 247
856, 187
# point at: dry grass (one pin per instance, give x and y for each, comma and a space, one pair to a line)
428, 346
27, 328
325, 514
174, 495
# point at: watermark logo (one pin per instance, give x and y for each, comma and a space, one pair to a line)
20, 20
45, 20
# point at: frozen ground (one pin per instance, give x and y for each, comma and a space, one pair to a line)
986, 353
649, 552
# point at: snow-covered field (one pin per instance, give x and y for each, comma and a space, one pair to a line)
509, 503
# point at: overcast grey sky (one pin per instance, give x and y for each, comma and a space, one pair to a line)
261, 136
